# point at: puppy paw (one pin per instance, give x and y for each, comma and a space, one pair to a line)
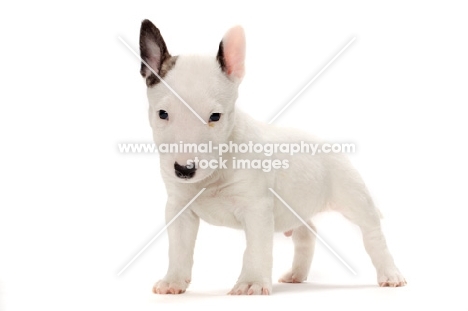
170, 287
293, 277
390, 277
251, 288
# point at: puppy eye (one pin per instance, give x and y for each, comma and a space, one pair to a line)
163, 114
215, 117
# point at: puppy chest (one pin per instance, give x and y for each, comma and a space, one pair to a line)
218, 211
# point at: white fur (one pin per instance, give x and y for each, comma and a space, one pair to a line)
240, 198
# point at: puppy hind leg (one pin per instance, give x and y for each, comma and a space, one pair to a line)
359, 208
304, 245
376, 246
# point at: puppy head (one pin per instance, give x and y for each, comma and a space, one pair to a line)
191, 98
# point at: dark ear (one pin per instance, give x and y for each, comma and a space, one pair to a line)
153, 51
231, 53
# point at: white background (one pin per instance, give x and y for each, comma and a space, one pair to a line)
73, 210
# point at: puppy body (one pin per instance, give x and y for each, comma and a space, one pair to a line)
240, 198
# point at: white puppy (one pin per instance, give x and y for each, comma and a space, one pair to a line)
240, 198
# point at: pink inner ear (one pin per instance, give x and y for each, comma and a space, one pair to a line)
154, 56
234, 51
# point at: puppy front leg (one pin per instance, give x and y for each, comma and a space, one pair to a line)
255, 278
182, 235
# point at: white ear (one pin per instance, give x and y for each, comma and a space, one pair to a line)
231, 53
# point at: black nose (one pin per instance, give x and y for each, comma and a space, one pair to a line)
185, 172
